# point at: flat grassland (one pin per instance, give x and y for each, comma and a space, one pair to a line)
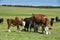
22, 12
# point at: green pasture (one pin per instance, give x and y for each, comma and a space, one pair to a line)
23, 12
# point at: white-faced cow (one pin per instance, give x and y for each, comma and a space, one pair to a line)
41, 20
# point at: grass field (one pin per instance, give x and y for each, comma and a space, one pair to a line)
22, 12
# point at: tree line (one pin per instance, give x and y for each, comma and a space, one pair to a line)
32, 6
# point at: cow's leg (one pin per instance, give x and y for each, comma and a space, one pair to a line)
9, 28
35, 27
18, 29
46, 30
30, 29
27, 28
43, 30
31, 25
24, 28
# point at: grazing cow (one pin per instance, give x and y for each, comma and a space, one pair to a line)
30, 24
41, 20
56, 18
52, 21
1, 20
15, 22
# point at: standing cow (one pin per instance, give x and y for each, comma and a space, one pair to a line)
41, 20
15, 22
56, 18
29, 24
52, 21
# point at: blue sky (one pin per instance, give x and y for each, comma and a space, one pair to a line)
31, 2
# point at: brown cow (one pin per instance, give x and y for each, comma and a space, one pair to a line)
41, 20
15, 22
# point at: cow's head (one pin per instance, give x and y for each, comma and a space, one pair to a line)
23, 22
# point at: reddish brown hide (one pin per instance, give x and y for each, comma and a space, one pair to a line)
41, 19
15, 22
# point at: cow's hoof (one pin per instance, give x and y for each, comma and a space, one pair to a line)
19, 31
9, 30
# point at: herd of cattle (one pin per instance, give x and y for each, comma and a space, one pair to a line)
32, 22
53, 20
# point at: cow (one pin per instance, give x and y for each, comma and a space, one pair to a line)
52, 21
42, 20
56, 18
29, 24
1, 20
15, 22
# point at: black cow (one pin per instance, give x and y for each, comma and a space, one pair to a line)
1, 20
52, 21
30, 24
56, 18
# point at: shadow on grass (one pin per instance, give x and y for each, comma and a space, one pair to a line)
31, 31
23, 31
11, 31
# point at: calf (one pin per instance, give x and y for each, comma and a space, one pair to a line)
15, 22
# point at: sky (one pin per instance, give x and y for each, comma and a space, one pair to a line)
31, 2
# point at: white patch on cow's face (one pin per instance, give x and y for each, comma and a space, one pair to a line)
23, 23
46, 30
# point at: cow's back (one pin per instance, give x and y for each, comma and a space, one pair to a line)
27, 20
38, 17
